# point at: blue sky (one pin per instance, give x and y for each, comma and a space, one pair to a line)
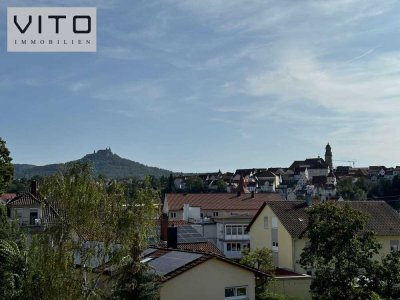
212, 84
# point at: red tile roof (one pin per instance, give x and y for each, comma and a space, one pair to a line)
222, 201
177, 223
7, 196
207, 247
25, 199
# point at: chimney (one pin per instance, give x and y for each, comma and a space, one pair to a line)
172, 241
164, 227
252, 194
186, 208
242, 187
34, 188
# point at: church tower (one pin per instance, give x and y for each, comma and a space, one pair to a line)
328, 156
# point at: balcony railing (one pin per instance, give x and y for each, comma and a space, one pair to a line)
237, 237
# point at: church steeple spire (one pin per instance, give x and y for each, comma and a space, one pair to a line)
328, 156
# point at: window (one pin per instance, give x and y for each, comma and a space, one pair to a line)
394, 245
240, 229
228, 229
18, 213
232, 293
33, 216
265, 222
233, 247
172, 214
274, 222
215, 214
234, 230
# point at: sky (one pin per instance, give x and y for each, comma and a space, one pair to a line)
197, 86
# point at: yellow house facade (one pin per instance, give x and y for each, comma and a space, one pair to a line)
279, 225
197, 275
213, 279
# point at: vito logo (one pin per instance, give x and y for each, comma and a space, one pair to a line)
51, 29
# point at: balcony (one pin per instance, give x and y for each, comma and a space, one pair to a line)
236, 237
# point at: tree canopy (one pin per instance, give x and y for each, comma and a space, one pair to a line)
195, 184
350, 190
260, 259
6, 167
12, 257
342, 255
96, 229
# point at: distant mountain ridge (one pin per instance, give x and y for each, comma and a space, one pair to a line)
104, 162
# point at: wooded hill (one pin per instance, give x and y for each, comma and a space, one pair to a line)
104, 162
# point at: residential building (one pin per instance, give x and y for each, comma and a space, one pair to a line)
197, 275
232, 237
203, 207
268, 181
315, 166
219, 218
184, 236
279, 225
31, 211
26, 207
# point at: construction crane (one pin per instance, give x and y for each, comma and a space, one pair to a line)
353, 162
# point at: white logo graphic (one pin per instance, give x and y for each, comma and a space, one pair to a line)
51, 29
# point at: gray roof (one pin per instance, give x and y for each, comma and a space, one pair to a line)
187, 234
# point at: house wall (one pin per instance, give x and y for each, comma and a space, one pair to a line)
285, 247
299, 245
179, 215
26, 213
261, 237
385, 242
209, 213
317, 172
208, 231
292, 287
208, 281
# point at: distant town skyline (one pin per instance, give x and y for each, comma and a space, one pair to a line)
197, 86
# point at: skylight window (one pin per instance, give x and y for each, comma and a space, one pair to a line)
145, 260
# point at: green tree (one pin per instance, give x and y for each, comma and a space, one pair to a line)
260, 259
340, 252
6, 167
18, 185
195, 184
95, 228
387, 277
12, 269
170, 185
134, 279
349, 190
221, 186
12, 262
